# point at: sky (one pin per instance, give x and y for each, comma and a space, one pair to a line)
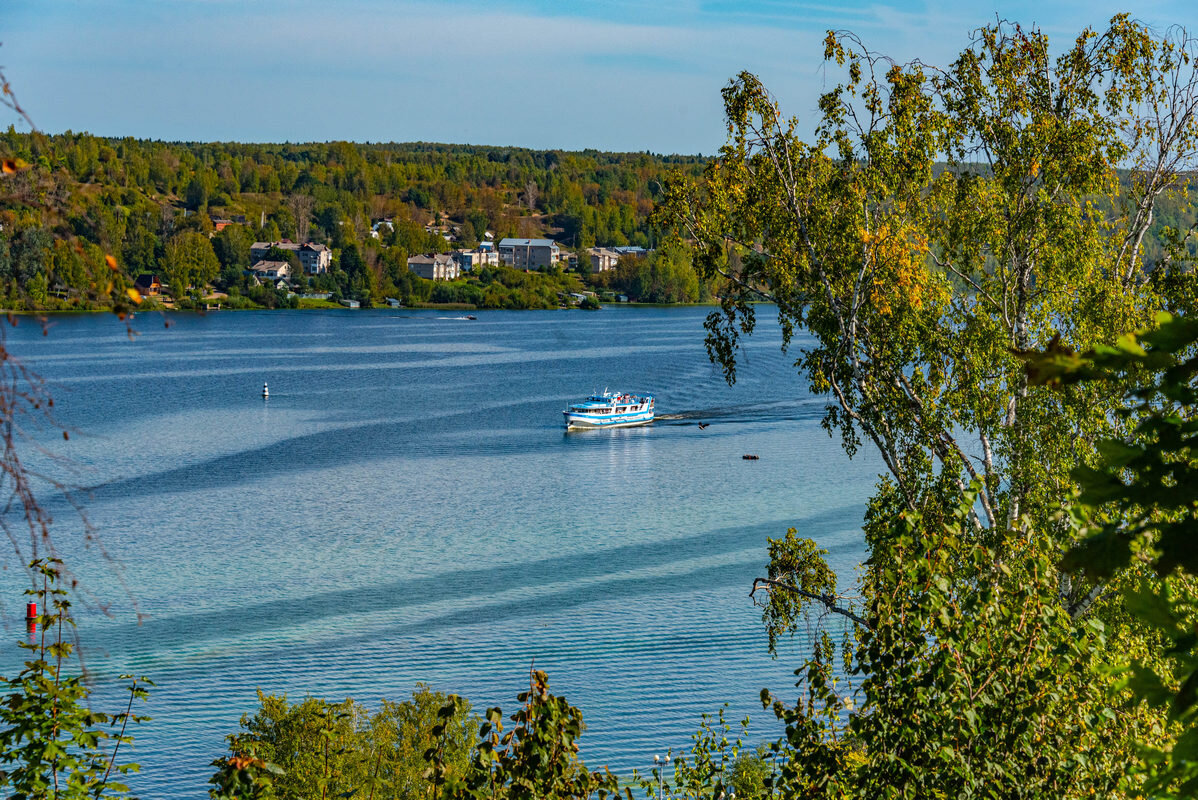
546, 74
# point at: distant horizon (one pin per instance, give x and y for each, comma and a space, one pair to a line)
365, 143
607, 75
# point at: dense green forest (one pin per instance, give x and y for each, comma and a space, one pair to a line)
152, 206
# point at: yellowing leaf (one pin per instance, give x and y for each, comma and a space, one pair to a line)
10, 165
134, 295
111, 262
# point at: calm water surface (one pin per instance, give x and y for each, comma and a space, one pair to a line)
406, 507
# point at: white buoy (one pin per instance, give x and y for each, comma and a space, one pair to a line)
265, 391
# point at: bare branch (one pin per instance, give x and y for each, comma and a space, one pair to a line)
9, 98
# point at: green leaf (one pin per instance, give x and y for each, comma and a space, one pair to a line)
1186, 747
1099, 556
1173, 335
1118, 454
1147, 602
1127, 343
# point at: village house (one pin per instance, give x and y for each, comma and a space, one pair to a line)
435, 266
147, 284
445, 231
603, 258
271, 270
315, 258
381, 227
529, 253
479, 257
220, 223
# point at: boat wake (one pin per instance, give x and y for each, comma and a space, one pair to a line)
763, 412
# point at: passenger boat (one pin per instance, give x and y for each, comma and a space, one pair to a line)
610, 410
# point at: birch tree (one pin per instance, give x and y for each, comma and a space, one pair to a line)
941, 224
940, 221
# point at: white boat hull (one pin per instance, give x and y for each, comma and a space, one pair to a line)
583, 421
610, 410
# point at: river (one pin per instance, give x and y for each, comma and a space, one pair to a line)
406, 507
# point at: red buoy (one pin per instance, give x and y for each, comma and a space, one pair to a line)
31, 611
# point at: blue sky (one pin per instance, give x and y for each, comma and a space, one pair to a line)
609, 74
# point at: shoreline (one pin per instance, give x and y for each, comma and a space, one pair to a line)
421, 307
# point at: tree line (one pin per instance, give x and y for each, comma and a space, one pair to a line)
79, 199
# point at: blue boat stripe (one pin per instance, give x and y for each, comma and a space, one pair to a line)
596, 411
608, 416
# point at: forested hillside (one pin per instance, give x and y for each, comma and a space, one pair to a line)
151, 205
77, 199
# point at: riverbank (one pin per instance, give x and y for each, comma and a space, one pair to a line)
311, 304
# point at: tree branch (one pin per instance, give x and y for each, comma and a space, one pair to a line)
827, 600
1079, 609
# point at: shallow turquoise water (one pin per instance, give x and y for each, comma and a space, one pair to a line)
406, 507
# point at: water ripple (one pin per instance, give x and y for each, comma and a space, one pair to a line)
407, 508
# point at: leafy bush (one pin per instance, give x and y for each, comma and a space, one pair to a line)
52, 743
317, 749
